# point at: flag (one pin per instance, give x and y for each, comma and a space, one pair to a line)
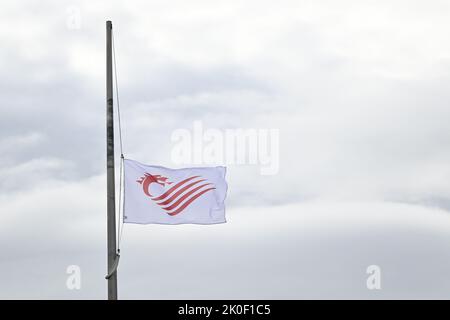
154, 194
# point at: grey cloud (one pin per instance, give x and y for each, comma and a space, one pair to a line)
357, 92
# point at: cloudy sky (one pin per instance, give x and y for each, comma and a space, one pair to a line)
357, 89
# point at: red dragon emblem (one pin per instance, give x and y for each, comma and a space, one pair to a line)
177, 198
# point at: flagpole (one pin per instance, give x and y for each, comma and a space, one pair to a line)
111, 207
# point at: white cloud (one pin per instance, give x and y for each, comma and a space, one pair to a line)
302, 250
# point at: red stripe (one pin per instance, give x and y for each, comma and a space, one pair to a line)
179, 192
188, 202
184, 197
168, 192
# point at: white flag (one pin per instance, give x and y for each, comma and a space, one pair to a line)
161, 195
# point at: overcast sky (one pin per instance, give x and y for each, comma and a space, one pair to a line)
358, 91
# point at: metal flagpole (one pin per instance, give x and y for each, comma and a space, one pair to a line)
111, 207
